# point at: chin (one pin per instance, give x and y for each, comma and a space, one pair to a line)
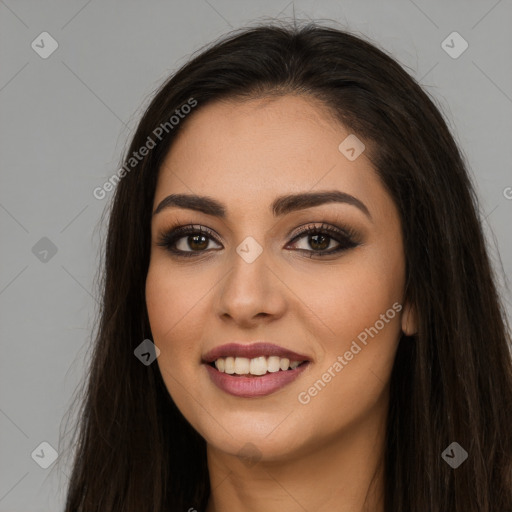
251, 447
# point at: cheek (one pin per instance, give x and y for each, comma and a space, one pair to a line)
173, 303
360, 312
355, 297
172, 297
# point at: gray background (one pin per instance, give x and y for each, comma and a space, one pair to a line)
66, 119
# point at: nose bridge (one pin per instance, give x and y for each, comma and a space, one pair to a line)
248, 263
250, 288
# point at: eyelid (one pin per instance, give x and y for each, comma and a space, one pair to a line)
345, 236
184, 230
340, 230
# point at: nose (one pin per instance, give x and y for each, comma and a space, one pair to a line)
251, 292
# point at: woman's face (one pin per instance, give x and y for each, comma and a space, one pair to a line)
251, 276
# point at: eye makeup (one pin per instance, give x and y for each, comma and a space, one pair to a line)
344, 236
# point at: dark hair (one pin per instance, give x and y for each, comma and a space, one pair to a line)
452, 381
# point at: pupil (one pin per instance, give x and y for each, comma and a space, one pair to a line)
323, 245
203, 243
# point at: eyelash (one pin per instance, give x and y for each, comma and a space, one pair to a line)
346, 238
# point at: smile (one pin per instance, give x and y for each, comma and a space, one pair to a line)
256, 366
253, 370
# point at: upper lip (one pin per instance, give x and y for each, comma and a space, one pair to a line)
251, 351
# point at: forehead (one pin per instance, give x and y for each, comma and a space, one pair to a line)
246, 153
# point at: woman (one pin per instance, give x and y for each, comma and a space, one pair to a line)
295, 231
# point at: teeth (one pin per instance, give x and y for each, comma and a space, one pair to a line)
220, 364
256, 366
273, 364
241, 365
229, 365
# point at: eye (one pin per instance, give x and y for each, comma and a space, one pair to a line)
178, 241
321, 238
190, 241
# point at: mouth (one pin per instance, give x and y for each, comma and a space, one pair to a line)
255, 367
253, 370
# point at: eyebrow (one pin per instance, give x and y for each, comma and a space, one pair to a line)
280, 206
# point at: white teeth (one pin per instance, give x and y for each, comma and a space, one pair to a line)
241, 365
273, 364
229, 365
256, 366
220, 364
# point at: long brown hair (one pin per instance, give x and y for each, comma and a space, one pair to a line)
451, 382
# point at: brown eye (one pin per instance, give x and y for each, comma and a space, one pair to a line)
318, 242
186, 241
189, 241
319, 239
194, 242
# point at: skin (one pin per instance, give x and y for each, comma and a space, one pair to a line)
317, 456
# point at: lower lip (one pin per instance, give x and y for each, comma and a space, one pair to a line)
248, 387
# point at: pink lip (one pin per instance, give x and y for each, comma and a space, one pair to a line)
249, 387
251, 351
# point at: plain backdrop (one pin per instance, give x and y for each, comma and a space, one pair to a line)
65, 120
